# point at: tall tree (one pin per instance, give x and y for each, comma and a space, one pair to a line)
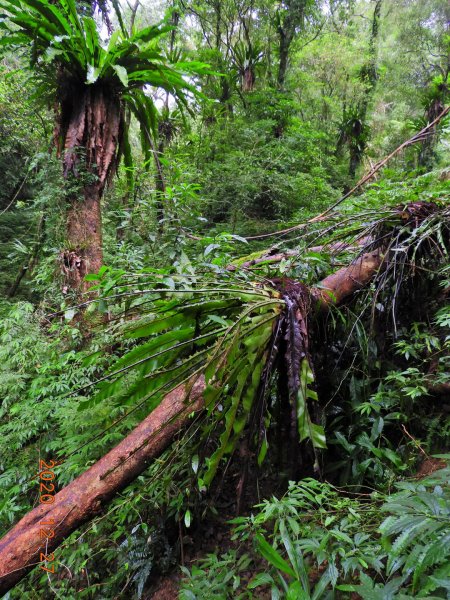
355, 129
91, 82
437, 93
417, 54
291, 18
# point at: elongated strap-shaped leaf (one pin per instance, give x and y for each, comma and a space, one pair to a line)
306, 428
52, 14
118, 12
273, 557
46, 25
149, 34
239, 376
92, 42
145, 112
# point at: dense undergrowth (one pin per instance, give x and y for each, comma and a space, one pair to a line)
381, 408
330, 480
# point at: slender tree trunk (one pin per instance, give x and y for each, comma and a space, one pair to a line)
369, 75
293, 20
355, 160
427, 151
285, 43
134, 10
129, 196
85, 497
165, 135
160, 184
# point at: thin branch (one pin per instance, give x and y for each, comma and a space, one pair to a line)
418, 137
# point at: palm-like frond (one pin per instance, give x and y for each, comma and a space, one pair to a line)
68, 53
58, 33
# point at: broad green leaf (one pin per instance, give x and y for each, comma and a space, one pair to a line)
121, 74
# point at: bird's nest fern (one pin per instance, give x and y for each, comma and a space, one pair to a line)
238, 333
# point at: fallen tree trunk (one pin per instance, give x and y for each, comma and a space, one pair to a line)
335, 288
272, 258
86, 496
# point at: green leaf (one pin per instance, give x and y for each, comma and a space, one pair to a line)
121, 74
273, 557
263, 451
118, 12
260, 579
306, 428
296, 592
187, 518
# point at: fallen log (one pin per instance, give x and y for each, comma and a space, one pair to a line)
335, 288
415, 139
85, 496
272, 258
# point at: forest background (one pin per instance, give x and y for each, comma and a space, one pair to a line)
162, 168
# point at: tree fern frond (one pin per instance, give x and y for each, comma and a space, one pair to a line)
420, 514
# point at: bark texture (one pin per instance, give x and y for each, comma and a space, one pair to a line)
337, 287
286, 29
85, 497
89, 134
248, 78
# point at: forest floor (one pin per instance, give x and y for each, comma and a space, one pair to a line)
214, 535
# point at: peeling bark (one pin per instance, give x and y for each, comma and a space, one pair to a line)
248, 79
85, 497
91, 127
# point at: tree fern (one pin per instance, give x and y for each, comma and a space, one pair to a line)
228, 331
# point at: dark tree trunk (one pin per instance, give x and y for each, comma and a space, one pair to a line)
427, 150
91, 128
248, 79
355, 160
285, 43
358, 137
293, 20
436, 104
